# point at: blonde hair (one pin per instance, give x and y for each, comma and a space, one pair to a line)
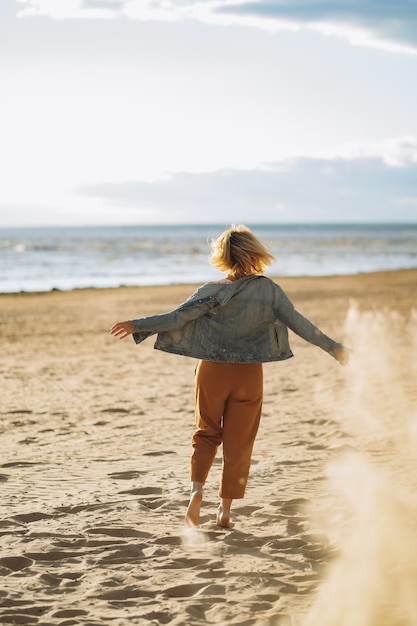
239, 252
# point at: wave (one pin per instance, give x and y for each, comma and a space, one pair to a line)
41, 259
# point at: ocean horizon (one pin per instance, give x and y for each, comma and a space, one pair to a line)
37, 259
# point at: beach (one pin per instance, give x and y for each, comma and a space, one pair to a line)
94, 468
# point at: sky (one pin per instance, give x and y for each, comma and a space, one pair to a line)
207, 111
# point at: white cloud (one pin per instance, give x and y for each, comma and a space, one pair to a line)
366, 37
163, 10
65, 9
390, 25
307, 189
394, 152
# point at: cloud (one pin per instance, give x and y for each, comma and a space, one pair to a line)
68, 9
397, 152
386, 24
389, 24
369, 188
158, 10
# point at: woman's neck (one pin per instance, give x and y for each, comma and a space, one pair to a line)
234, 277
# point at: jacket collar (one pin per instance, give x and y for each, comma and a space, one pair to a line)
228, 290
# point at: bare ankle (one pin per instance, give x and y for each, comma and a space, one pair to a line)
223, 513
192, 515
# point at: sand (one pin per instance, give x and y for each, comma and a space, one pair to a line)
94, 469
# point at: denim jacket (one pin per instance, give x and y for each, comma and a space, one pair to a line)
245, 321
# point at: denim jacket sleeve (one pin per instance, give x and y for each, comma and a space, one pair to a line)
286, 313
197, 305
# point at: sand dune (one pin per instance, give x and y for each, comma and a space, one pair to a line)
94, 469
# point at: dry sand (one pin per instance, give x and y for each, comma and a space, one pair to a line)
94, 469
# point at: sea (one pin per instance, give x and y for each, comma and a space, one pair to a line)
63, 258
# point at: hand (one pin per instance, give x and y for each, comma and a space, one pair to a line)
342, 355
121, 330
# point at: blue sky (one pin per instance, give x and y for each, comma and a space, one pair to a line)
135, 111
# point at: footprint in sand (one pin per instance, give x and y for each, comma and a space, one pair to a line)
144, 491
19, 464
126, 593
159, 453
305, 577
16, 563
246, 510
53, 555
70, 613
129, 475
316, 553
185, 591
81, 507
50, 579
54, 581
291, 546
243, 541
36, 516
294, 506
158, 617
126, 554
171, 540
118, 532
24, 615
184, 562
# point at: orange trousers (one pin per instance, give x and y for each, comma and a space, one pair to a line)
228, 410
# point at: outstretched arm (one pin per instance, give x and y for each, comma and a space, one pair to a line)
299, 324
121, 330
145, 326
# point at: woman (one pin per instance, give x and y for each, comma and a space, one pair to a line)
232, 326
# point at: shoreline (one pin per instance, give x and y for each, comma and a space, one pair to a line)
406, 273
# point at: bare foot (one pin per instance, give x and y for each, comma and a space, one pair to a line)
223, 519
192, 516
